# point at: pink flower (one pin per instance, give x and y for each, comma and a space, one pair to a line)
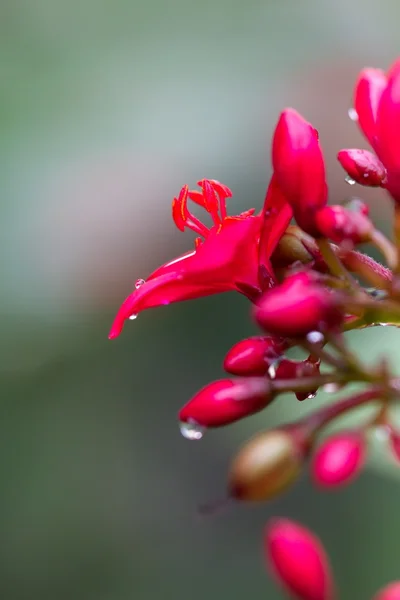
377, 103
339, 459
299, 167
298, 560
389, 592
233, 254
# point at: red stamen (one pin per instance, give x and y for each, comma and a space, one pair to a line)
183, 217
197, 197
212, 203
223, 192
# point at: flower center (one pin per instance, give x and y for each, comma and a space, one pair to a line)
212, 198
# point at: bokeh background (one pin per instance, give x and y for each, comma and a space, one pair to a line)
106, 109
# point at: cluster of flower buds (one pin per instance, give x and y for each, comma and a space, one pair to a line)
308, 286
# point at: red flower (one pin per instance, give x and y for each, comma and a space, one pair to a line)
233, 254
377, 104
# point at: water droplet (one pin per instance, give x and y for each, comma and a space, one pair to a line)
139, 283
350, 180
191, 431
331, 388
133, 317
315, 337
311, 395
383, 324
273, 368
353, 114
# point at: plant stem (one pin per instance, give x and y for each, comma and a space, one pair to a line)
385, 246
325, 415
335, 264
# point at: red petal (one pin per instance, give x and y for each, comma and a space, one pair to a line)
367, 95
276, 215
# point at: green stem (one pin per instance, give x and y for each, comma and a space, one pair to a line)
385, 246
335, 264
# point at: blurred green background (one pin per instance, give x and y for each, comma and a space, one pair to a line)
106, 109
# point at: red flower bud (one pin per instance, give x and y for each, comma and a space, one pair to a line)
297, 307
298, 560
227, 400
267, 465
253, 355
394, 440
296, 369
389, 592
363, 167
299, 167
340, 224
339, 459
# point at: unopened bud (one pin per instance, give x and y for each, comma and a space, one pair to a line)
389, 592
268, 464
227, 400
298, 306
298, 560
299, 166
339, 459
294, 246
254, 355
296, 369
363, 167
339, 224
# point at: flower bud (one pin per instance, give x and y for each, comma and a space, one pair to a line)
394, 441
227, 400
294, 246
299, 167
298, 560
340, 224
253, 355
296, 307
389, 592
339, 459
296, 369
268, 464
363, 167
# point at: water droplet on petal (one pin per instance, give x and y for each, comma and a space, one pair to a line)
191, 431
315, 337
273, 368
350, 180
139, 283
383, 324
353, 114
133, 317
311, 395
331, 388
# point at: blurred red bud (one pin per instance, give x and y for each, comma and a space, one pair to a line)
227, 400
339, 459
389, 592
297, 307
298, 561
363, 167
339, 224
367, 96
253, 355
